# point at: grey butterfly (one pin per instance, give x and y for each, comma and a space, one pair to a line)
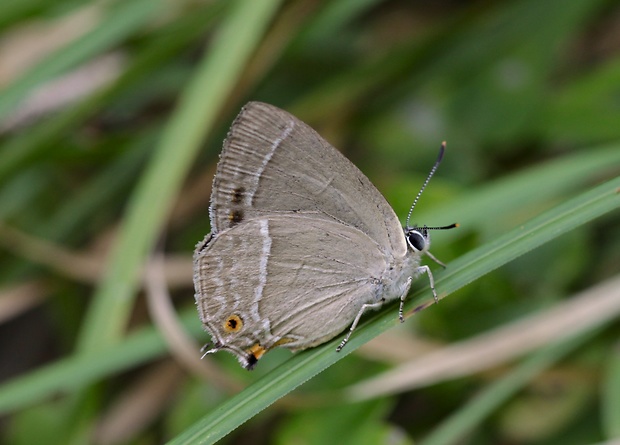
301, 245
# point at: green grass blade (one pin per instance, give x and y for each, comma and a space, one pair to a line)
73, 373
611, 396
305, 365
460, 424
44, 137
536, 185
537, 231
154, 195
122, 21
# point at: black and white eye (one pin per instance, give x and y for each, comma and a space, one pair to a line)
416, 240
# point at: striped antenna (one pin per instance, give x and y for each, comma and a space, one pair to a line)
428, 178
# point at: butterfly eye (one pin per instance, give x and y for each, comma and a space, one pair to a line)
416, 240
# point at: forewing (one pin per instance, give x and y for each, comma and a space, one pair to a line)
274, 163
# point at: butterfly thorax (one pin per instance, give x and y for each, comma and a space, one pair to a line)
397, 277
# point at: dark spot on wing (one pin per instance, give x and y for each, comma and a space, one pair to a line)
237, 195
235, 216
252, 361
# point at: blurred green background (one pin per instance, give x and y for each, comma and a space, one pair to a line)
112, 115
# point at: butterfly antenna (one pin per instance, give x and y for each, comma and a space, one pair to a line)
442, 149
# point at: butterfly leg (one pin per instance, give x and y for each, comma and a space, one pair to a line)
420, 270
402, 299
427, 271
357, 319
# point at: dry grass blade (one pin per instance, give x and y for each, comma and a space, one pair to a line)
585, 310
20, 298
181, 345
84, 267
139, 405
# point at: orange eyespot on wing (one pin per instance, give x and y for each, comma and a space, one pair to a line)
233, 323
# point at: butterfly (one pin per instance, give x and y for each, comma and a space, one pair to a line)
302, 244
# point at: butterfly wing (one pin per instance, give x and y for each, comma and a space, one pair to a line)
274, 163
295, 281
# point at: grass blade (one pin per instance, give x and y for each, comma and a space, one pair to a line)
154, 196
305, 365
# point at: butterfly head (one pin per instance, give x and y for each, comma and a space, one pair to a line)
418, 238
